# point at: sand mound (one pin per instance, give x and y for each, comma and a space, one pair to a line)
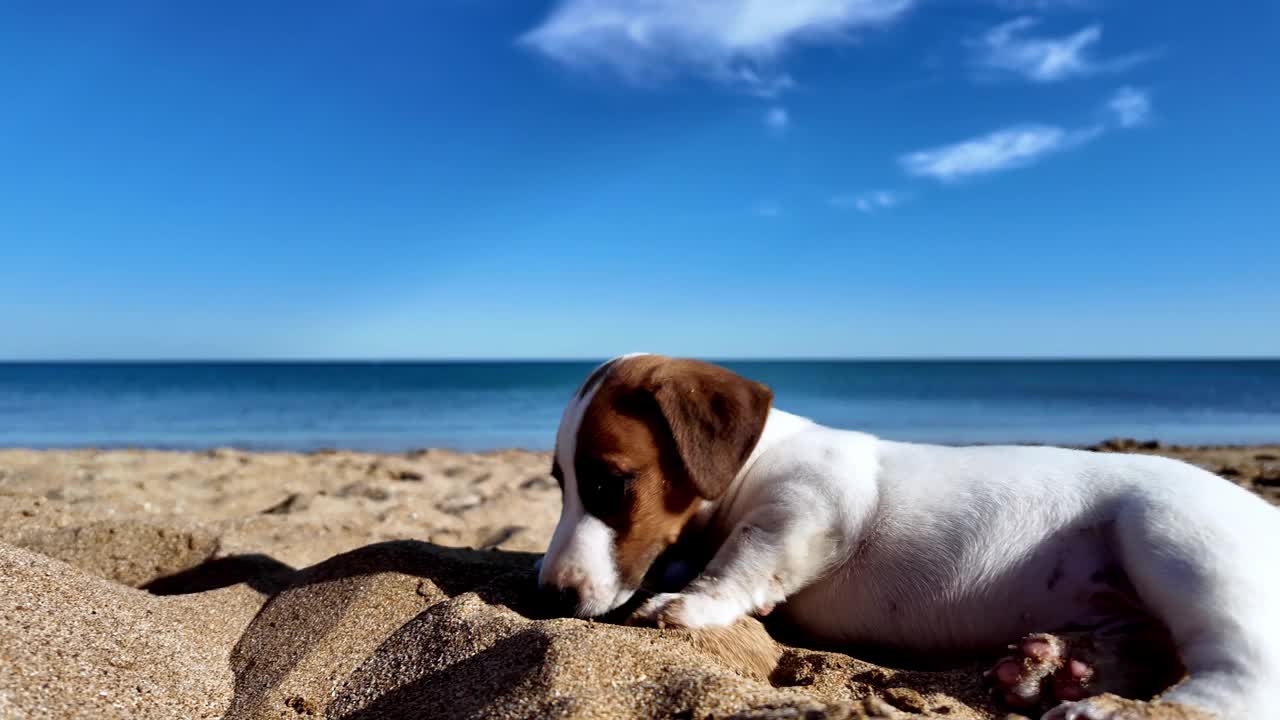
129, 550
77, 646
404, 630
412, 630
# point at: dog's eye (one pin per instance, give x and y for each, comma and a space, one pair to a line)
605, 492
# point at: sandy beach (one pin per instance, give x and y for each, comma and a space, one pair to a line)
149, 584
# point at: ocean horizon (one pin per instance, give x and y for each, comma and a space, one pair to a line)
399, 405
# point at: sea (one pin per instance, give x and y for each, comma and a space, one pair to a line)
398, 406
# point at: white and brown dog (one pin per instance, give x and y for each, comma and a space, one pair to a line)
918, 548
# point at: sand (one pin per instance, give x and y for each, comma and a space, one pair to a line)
146, 584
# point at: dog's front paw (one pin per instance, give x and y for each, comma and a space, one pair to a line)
1112, 707
664, 610
684, 610
1106, 707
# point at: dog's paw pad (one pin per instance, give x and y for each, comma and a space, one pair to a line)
1071, 681
1025, 677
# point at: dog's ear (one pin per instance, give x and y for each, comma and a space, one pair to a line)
715, 417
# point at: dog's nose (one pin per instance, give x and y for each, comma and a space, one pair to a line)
561, 601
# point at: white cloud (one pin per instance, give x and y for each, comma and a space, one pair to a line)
767, 210
868, 202
750, 81
1008, 47
736, 42
1005, 149
777, 119
1130, 106
1022, 145
1045, 5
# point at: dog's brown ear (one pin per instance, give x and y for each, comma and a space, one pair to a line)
715, 417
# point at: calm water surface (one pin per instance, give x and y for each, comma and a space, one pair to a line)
483, 405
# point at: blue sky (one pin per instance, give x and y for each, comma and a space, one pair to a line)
481, 178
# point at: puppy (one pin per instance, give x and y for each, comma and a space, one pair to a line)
918, 548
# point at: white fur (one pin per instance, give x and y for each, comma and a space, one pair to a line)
939, 549
580, 555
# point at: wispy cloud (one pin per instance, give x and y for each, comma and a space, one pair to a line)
777, 119
747, 79
767, 210
1022, 145
1010, 47
1131, 106
1005, 149
1045, 5
735, 42
868, 202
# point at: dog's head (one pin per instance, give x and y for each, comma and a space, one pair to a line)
642, 445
